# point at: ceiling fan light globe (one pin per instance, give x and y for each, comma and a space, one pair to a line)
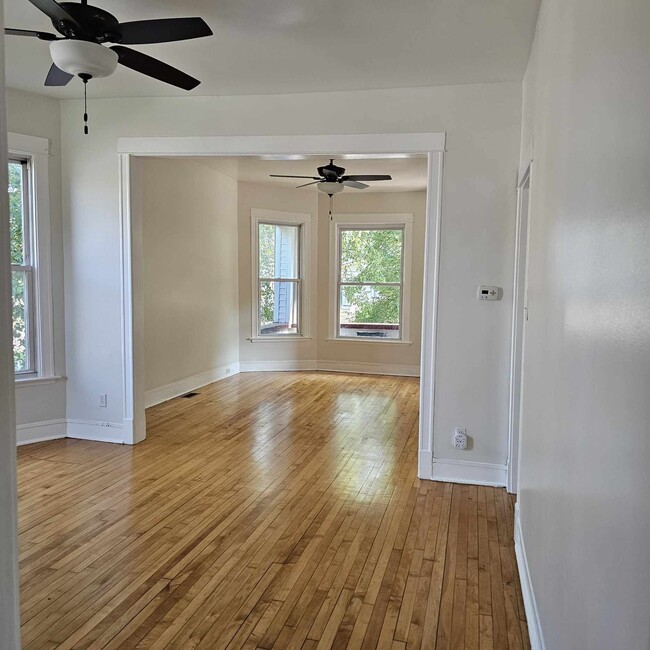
330, 188
83, 58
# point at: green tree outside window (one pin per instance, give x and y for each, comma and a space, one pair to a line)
371, 256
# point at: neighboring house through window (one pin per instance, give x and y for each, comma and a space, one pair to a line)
371, 272
279, 271
29, 229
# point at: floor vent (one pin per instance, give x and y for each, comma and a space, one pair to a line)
189, 395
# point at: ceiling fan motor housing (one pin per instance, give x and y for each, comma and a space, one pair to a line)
330, 188
83, 58
88, 23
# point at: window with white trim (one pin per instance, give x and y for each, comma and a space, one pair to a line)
371, 277
31, 284
279, 271
22, 269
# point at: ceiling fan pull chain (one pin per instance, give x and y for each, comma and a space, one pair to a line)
331, 204
85, 107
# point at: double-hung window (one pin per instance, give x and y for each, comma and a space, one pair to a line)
22, 268
29, 229
280, 243
371, 277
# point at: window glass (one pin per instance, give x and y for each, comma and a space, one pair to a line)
16, 223
20, 317
370, 311
371, 255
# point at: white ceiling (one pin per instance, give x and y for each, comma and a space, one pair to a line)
409, 173
286, 46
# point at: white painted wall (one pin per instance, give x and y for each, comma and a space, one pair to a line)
585, 453
38, 115
190, 246
266, 197
483, 127
351, 202
9, 611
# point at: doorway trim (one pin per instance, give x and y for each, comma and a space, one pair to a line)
518, 328
129, 149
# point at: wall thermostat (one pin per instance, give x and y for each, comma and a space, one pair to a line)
489, 293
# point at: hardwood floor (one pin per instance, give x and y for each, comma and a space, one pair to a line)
273, 510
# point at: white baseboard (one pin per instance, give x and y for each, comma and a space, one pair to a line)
395, 369
331, 366
530, 604
165, 393
468, 471
277, 366
425, 464
26, 434
97, 431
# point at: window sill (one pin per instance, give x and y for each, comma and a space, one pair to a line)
27, 380
350, 339
277, 338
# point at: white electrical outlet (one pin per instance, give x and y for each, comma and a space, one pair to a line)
460, 438
228, 370
102, 400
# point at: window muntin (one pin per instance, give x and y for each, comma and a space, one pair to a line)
279, 279
370, 282
22, 266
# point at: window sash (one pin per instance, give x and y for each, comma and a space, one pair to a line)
299, 231
297, 282
341, 283
26, 207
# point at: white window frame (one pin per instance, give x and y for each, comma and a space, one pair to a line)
281, 218
340, 222
36, 151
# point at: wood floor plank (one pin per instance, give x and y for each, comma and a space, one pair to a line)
273, 510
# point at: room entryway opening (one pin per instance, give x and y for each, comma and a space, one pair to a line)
398, 147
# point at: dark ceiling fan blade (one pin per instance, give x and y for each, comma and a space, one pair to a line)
163, 30
368, 177
355, 184
154, 68
44, 36
313, 178
55, 11
306, 184
57, 77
